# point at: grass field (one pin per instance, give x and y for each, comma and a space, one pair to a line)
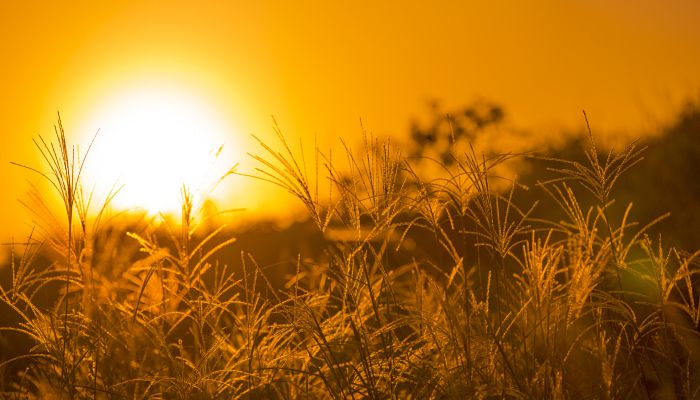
440, 286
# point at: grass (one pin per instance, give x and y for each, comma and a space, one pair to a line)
438, 287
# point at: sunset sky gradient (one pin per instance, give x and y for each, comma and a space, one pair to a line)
321, 67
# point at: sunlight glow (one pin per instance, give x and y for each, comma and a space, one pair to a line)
154, 140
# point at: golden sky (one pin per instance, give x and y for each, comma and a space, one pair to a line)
320, 67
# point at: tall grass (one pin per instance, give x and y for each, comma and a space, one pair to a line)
444, 287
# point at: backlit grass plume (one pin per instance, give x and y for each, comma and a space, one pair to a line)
420, 288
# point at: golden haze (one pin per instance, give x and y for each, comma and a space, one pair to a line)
320, 67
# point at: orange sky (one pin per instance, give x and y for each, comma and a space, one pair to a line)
319, 67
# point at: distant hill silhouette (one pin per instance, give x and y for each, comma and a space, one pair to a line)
666, 180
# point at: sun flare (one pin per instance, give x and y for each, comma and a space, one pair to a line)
151, 142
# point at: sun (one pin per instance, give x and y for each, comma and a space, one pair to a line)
154, 140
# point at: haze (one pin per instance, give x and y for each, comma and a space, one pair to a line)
320, 68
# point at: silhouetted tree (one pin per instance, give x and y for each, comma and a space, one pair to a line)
445, 129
